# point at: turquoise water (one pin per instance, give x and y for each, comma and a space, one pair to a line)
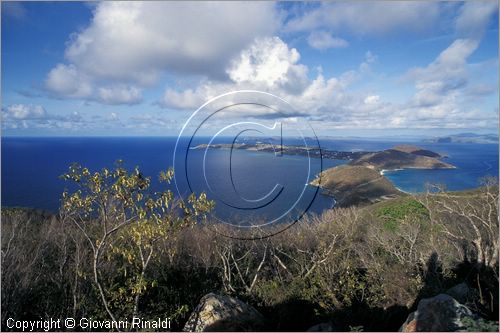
473, 162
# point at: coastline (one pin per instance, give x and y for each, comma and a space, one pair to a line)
384, 171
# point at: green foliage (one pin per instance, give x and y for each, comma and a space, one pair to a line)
479, 325
393, 213
349, 266
124, 222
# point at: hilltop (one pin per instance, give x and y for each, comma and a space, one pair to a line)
410, 149
402, 157
354, 185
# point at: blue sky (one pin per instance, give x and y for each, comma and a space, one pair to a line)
348, 68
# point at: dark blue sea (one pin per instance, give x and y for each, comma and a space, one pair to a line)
263, 183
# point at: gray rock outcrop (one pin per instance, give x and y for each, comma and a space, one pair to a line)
224, 314
442, 313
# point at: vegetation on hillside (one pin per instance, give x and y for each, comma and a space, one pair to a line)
118, 250
355, 185
400, 158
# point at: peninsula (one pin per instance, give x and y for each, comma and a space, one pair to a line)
398, 157
362, 180
288, 150
355, 185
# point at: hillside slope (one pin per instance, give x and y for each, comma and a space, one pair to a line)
416, 151
392, 159
355, 185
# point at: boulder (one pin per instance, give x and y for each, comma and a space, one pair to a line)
437, 314
224, 314
463, 293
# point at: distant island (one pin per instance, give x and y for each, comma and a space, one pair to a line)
399, 157
402, 157
466, 138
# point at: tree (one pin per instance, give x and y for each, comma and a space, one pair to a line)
469, 218
119, 216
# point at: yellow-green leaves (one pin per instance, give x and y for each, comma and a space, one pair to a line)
167, 176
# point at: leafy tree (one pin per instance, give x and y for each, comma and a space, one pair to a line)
122, 221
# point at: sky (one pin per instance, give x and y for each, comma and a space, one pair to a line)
348, 68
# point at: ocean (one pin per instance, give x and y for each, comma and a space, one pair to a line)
266, 186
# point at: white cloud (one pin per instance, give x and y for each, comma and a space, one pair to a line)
120, 94
440, 80
137, 42
323, 40
267, 64
443, 91
189, 98
372, 99
129, 46
23, 112
438, 102
271, 65
67, 81
28, 117
474, 17
24, 116
368, 17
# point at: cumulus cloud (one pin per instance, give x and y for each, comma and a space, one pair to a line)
189, 98
441, 88
270, 65
267, 64
23, 112
67, 81
120, 94
323, 40
135, 43
129, 46
36, 117
26, 116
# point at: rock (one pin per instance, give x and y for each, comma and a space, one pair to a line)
224, 314
462, 293
322, 327
438, 314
